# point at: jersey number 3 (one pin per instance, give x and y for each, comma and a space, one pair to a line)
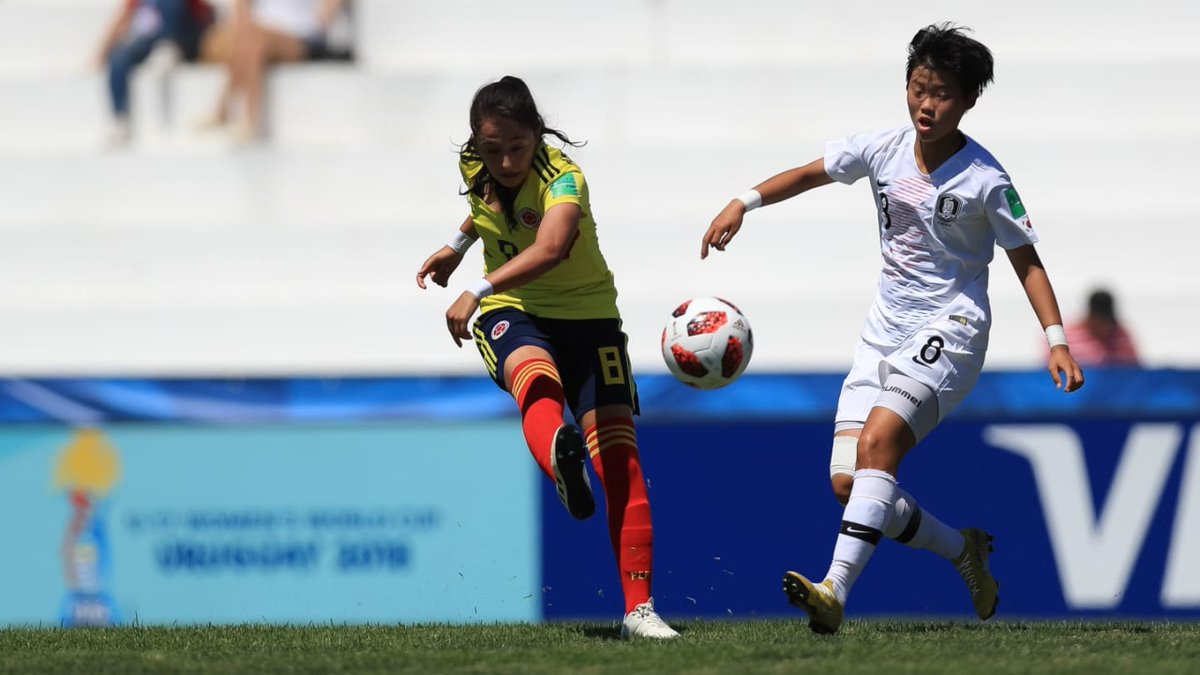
508, 249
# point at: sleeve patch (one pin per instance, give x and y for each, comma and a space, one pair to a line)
564, 186
1014, 203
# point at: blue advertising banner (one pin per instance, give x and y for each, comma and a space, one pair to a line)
808, 396
1098, 518
402, 500
395, 522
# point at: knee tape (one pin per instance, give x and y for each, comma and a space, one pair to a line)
844, 459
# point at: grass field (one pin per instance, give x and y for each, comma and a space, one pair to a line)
580, 648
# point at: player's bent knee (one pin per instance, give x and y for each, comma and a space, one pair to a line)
842, 484
878, 451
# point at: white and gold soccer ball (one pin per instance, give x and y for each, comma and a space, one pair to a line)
707, 343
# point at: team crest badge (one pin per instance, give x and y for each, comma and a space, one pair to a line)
499, 330
948, 208
529, 219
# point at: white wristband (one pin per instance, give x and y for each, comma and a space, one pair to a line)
460, 242
750, 199
481, 289
1055, 336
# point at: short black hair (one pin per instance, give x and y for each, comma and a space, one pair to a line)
1101, 304
945, 47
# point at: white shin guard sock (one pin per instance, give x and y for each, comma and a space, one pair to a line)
916, 528
872, 501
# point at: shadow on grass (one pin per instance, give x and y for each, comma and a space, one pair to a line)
909, 627
613, 633
602, 632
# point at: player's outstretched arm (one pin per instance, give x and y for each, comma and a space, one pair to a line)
556, 235
775, 189
1035, 281
439, 266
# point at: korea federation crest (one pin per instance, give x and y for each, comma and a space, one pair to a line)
499, 329
948, 208
529, 219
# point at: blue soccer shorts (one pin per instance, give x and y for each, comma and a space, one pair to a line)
590, 354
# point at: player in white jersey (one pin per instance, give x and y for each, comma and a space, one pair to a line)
944, 203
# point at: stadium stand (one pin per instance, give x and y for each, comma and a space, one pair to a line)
181, 255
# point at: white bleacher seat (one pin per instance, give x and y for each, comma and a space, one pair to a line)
183, 255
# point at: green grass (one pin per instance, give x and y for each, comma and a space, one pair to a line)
582, 648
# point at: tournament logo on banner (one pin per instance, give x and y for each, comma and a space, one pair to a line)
266, 523
87, 470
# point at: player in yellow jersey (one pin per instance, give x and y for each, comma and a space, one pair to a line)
549, 331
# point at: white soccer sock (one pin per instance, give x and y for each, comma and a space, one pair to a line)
872, 501
917, 528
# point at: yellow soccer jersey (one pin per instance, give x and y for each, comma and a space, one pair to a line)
579, 287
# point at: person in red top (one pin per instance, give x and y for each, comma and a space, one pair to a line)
1099, 339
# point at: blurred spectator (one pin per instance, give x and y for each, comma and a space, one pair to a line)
1099, 339
138, 27
261, 33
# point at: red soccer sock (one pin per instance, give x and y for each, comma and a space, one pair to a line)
613, 447
539, 393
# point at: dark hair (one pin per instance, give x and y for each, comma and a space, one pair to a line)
1102, 305
946, 48
508, 97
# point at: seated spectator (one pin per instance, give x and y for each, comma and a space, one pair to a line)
261, 33
1099, 339
138, 27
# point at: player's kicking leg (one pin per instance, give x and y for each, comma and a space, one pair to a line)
568, 458
968, 550
909, 524
519, 359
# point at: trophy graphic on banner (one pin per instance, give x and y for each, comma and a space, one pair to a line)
87, 470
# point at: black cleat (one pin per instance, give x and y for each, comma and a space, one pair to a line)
568, 457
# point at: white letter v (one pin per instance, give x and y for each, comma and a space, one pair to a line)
1095, 556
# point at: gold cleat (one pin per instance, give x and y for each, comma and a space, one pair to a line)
972, 565
819, 600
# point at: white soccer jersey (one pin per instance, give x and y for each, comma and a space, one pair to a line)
937, 232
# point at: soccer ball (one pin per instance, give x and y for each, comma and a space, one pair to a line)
707, 343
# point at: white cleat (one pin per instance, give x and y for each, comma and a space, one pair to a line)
644, 622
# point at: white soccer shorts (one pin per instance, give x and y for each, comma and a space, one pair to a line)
946, 355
